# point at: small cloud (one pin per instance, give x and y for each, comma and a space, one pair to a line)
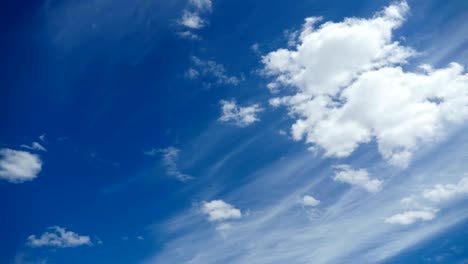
212, 70
140, 238
241, 116
42, 137
344, 173
445, 192
191, 74
309, 201
202, 5
218, 210
192, 20
409, 217
59, 238
34, 146
19, 166
170, 156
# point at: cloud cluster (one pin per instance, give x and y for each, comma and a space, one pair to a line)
218, 210
192, 17
19, 166
360, 177
170, 156
350, 89
438, 194
59, 237
211, 70
241, 116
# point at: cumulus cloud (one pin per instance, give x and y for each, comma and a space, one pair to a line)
409, 217
308, 200
360, 177
349, 88
19, 166
218, 210
241, 116
212, 70
446, 192
192, 20
59, 237
192, 17
170, 156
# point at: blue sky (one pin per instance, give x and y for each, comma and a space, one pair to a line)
223, 131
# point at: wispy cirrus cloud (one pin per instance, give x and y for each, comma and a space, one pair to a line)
213, 71
169, 157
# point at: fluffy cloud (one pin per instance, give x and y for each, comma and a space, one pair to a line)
211, 69
59, 237
192, 20
409, 217
349, 88
170, 156
241, 116
218, 210
308, 200
360, 177
192, 17
19, 166
445, 192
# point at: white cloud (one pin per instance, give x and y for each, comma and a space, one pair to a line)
360, 177
218, 210
19, 166
213, 70
409, 217
170, 155
308, 200
192, 20
241, 116
202, 5
35, 146
445, 192
192, 17
59, 237
349, 88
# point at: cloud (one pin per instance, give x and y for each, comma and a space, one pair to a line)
34, 146
446, 192
170, 156
202, 5
349, 88
360, 177
241, 116
192, 20
409, 217
192, 17
308, 200
60, 238
211, 69
19, 166
218, 210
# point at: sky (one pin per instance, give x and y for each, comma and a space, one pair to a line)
227, 131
